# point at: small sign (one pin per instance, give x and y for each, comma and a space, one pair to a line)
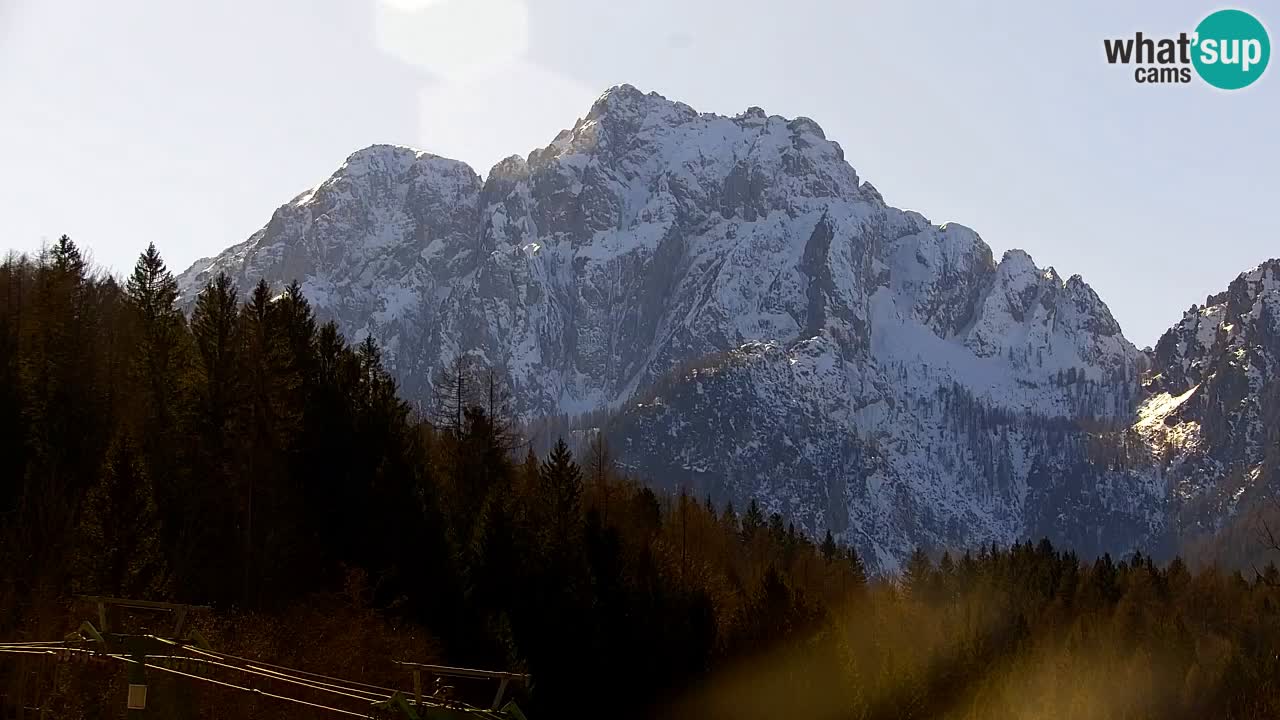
137, 697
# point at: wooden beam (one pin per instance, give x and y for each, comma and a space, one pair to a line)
140, 604
464, 672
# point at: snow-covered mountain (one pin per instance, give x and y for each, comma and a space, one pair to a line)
1213, 414
764, 325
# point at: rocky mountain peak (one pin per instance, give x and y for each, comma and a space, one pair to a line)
1213, 401
759, 322
380, 158
1241, 318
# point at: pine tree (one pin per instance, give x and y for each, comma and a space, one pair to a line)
370, 362
330, 347
946, 565
646, 512
119, 537
67, 259
221, 414
295, 317
917, 575
153, 291
529, 475
265, 425
159, 366
1177, 576
331, 491
215, 329
857, 571
58, 431
560, 481
153, 295
1103, 579
484, 475
600, 463
775, 614
829, 548
777, 529
944, 580
752, 521
729, 520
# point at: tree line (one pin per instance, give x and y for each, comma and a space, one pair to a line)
250, 458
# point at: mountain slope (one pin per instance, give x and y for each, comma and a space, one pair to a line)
760, 321
1211, 418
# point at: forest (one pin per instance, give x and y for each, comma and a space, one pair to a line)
247, 458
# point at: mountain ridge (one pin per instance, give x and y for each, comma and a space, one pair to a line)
649, 237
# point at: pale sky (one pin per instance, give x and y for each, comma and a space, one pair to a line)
188, 123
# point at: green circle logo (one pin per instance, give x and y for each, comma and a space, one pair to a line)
1232, 49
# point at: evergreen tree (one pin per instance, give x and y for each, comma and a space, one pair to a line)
215, 329
601, 465
944, 580
857, 571
360, 543
56, 375
1104, 580
220, 417
752, 521
829, 548
729, 520
529, 475
777, 529
153, 290
485, 474
119, 537
917, 575
153, 296
270, 424
560, 481
66, 258
295, 317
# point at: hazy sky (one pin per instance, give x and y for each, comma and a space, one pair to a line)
188, 123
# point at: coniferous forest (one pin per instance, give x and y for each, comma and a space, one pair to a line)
247, 458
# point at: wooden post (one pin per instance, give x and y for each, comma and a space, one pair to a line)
417, 687
22, 686
137, 699
40, 694
57, 675
502, 689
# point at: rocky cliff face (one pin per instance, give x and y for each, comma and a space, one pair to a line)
1212, 420
761, 323
971, 416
